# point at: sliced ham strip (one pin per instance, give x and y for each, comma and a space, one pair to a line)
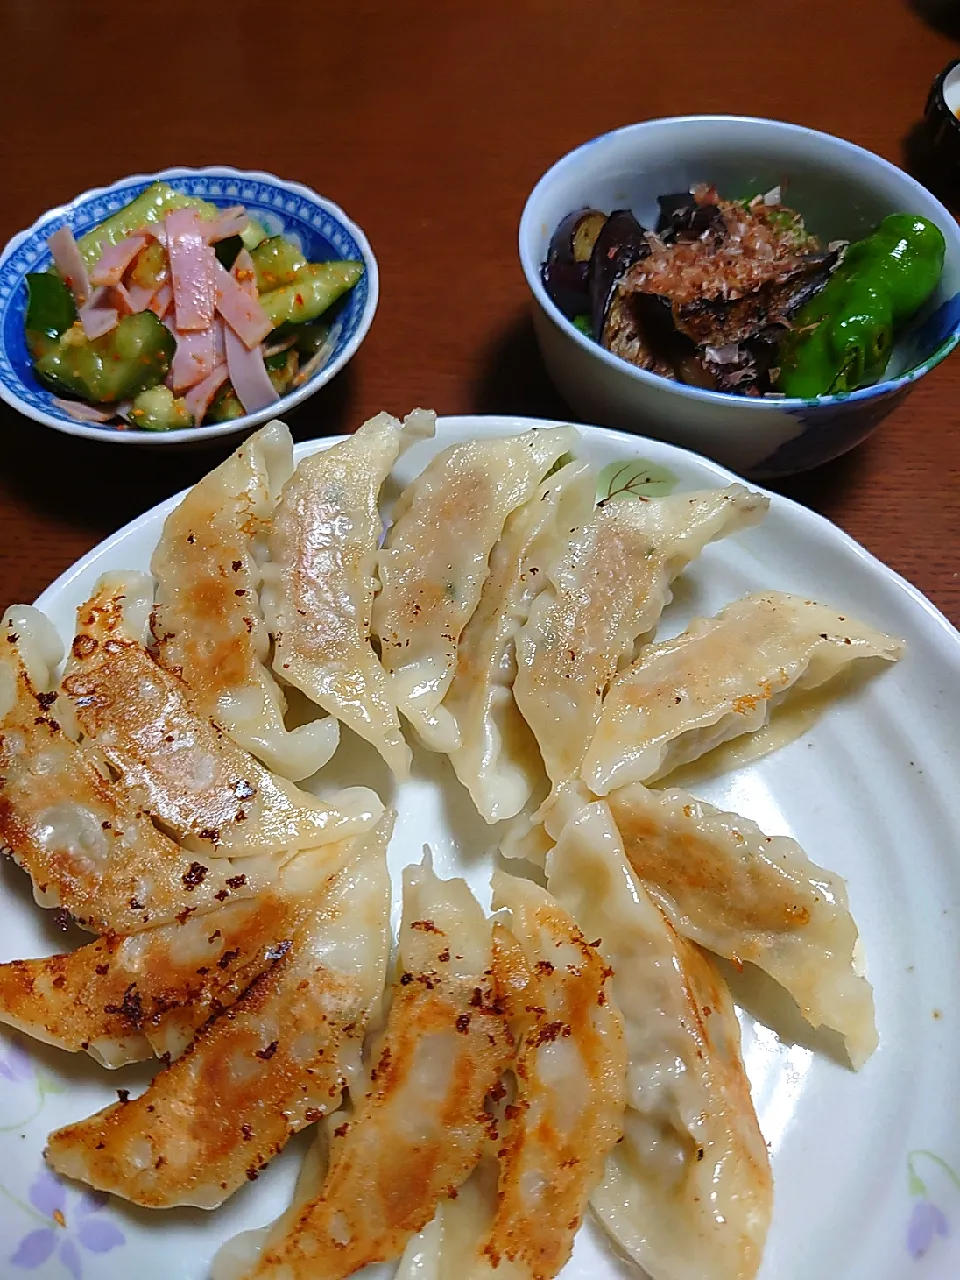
194, 359
230, 223
192, 264
240, 307
97, 315
97, 321
83, 412
121, 299
129, 300
162, 300
69, 262
116, 258
248, 374
138, 296
199, 398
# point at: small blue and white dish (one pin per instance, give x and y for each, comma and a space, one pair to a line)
321, 228
842, 192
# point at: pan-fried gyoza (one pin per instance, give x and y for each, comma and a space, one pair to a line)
209, 792
208, 621
86, 843
419, 1130
275, 1061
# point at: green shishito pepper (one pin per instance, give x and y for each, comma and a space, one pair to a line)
149, 209
316, 287
133, 356
842, 338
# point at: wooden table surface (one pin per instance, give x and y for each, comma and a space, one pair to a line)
430, 122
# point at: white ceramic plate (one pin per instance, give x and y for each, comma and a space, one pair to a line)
864, 1164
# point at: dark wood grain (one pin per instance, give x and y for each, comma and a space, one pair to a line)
430, 122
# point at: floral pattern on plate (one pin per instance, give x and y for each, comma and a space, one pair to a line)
927, 1220
71, 1226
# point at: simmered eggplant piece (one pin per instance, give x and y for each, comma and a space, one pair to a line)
565, 272
567, 286
720, 321
621, 244
690, 368
587, 227
683, 217
742, 368
575, 236
625, 335
805, 283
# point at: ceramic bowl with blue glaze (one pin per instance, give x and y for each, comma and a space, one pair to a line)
842, 192
322, 230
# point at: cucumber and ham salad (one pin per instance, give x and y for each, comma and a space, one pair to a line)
173, 313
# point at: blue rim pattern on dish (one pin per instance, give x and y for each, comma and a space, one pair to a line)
321, 228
